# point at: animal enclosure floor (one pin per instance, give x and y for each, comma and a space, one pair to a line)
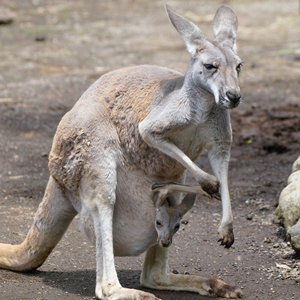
54, 50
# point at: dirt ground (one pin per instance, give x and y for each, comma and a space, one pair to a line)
52, 51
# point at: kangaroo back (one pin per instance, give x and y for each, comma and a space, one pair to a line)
128, 92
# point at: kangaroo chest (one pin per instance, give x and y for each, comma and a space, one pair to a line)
127, 96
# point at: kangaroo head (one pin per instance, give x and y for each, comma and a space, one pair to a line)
214, 65
168, 216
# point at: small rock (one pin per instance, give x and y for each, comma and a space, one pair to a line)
294, 273
297, 279
283, 245
276, 245
6, 16
250, 193
267, 240
282, 266
184, 222
174, 271
264, 207
6, 21
40, 38
286, 255
249, 217
294, 233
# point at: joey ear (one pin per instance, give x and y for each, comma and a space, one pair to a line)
193, 37
225, 26
171, 200
158, 199
186, 204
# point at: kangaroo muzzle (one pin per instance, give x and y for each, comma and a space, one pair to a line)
234, 98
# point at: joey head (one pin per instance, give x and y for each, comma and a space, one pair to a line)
168, 217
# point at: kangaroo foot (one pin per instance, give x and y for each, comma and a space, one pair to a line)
119, 293
221, 289
204, 286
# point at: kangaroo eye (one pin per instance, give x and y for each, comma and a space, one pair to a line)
238, 68
158, 223
177, 227
209, 66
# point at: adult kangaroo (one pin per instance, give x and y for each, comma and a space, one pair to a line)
132, 128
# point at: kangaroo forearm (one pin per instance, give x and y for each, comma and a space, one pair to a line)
168, 147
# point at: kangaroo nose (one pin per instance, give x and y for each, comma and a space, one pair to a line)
165, 243
233, 97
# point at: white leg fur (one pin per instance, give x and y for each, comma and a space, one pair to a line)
100, 200
219, 161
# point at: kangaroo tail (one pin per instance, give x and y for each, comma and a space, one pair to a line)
51, 220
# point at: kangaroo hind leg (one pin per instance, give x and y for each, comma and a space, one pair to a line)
155, 275
51, 220
98, 196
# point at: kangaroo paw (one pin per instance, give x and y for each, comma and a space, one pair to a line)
227, 241
221, 289
210, 186
226, 236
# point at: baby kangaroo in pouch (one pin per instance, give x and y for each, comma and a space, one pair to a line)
132, 128
168, 215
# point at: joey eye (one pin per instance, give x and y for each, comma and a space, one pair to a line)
209, 67
158, 224
238, 68
176, 228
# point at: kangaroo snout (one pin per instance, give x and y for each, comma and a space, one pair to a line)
234, 97
230, 99
165, 243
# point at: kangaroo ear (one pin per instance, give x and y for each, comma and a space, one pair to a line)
225, 26
186, 204
193, 37
158, 200
171, 200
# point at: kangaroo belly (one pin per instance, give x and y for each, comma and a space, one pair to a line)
134, 212
133, 232
133, 228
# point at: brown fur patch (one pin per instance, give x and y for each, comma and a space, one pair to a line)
68, 157
128, 94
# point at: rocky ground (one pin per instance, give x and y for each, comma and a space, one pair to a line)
51, 51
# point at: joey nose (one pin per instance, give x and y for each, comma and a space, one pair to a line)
165, 243
233, 97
